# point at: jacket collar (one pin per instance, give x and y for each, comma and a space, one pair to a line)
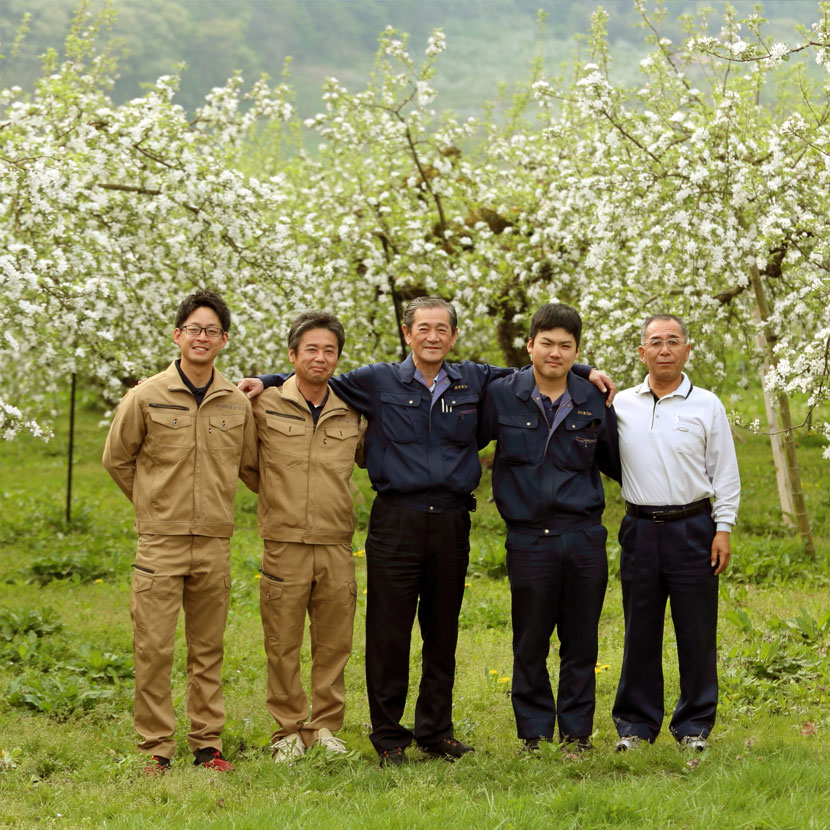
291, 392
174, 380
406, 370
526, 383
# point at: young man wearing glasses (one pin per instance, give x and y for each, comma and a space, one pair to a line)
681, 488
176, 446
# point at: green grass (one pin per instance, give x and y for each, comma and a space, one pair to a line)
75, 764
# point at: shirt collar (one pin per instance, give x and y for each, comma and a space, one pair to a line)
683, 390
406, 370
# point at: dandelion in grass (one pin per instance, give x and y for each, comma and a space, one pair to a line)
504, 679
601, 667
492, 672
257, 576
359, 553
468, 585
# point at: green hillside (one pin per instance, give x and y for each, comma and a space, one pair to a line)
490, 41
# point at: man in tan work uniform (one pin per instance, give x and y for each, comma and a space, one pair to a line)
176, 446
309, 440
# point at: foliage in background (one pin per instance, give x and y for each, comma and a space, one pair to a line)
687, 191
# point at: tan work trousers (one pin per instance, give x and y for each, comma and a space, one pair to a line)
172, 572
318, 579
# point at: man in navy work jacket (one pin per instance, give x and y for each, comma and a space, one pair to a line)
554, 435
681, 488
421, 456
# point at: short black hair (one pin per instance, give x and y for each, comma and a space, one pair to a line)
204, 299
316, 320
429, 302
555, 316
649, 320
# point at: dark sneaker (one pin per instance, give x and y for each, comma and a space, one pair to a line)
532, 746
448, 748
574, 748
157, 766
394, 757
210, 758
571, 744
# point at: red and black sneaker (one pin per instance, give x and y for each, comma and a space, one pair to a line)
211, 758
157, 766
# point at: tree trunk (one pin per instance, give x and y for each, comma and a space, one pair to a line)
779, 455
785, 430
70, 458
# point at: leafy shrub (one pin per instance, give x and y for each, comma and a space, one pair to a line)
55, 695
777, 665
39, 622
769, 560
100, 666
487, 555
26, 636
78, 567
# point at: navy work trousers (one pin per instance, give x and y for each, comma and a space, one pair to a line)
660, 561
416, 560
556, 582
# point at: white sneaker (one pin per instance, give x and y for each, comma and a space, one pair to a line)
331, 744
288, 748
627, 743
695, 742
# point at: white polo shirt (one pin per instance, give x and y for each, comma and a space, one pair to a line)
678, 450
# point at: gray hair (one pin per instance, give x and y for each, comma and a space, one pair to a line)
650, 320
429, 302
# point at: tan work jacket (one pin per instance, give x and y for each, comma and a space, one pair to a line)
304, 493
178, 464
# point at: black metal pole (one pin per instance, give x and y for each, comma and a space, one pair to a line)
71, 452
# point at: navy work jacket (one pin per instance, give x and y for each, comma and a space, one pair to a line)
419, 456
547, 483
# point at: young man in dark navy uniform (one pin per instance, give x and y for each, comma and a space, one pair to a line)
421, 456
554, 435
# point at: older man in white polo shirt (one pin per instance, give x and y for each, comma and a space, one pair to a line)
681, 488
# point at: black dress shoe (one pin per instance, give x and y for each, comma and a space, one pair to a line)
571, 744
532, 745
448, 748
394, 757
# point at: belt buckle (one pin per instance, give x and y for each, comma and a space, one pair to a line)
656, 514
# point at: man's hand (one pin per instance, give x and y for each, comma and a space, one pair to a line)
604, 384
721, 551
251, 387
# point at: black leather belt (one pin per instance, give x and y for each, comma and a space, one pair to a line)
666, 513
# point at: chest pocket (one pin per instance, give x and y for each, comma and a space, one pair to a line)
397, 414
581, 443
514, 438
688, 438
170, 432
341, 444
464, 412
286, 441
225, 432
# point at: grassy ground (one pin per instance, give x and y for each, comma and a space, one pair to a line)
67, 753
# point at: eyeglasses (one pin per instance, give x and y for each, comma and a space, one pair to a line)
655, 344
210, 331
